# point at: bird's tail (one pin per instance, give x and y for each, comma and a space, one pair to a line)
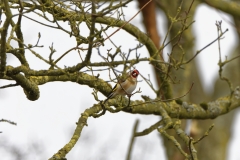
110, 96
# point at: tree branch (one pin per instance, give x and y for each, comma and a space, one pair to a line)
82, 121
4, 30
230, 7
183, 110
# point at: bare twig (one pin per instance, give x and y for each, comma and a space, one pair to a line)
150, 129
9, 85
91, 37
175, 142
64, 54
8, 121
190, 147
130, 147
167, 100
219, 30
205, 134
128, 20
199, 51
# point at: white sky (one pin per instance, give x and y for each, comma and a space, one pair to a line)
50, 121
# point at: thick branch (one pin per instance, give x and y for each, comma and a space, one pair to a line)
184, 110
229, 7
56, 75
91, 34
30, 88
80, 78
4, 37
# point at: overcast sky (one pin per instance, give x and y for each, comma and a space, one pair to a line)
49, 122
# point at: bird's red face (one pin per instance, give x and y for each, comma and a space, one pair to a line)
134, 73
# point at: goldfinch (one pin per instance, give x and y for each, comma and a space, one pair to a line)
125, 87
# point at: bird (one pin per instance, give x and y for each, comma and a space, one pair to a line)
125, 87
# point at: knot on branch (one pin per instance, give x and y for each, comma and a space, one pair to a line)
214, 108
237, 93
188, 107
30, 88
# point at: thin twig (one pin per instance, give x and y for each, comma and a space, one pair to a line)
130, 148
9, 85
150, 129
167, 100
219, 36
190, 147
128, 20
8, 121
205, 134
64, 54
219, 31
